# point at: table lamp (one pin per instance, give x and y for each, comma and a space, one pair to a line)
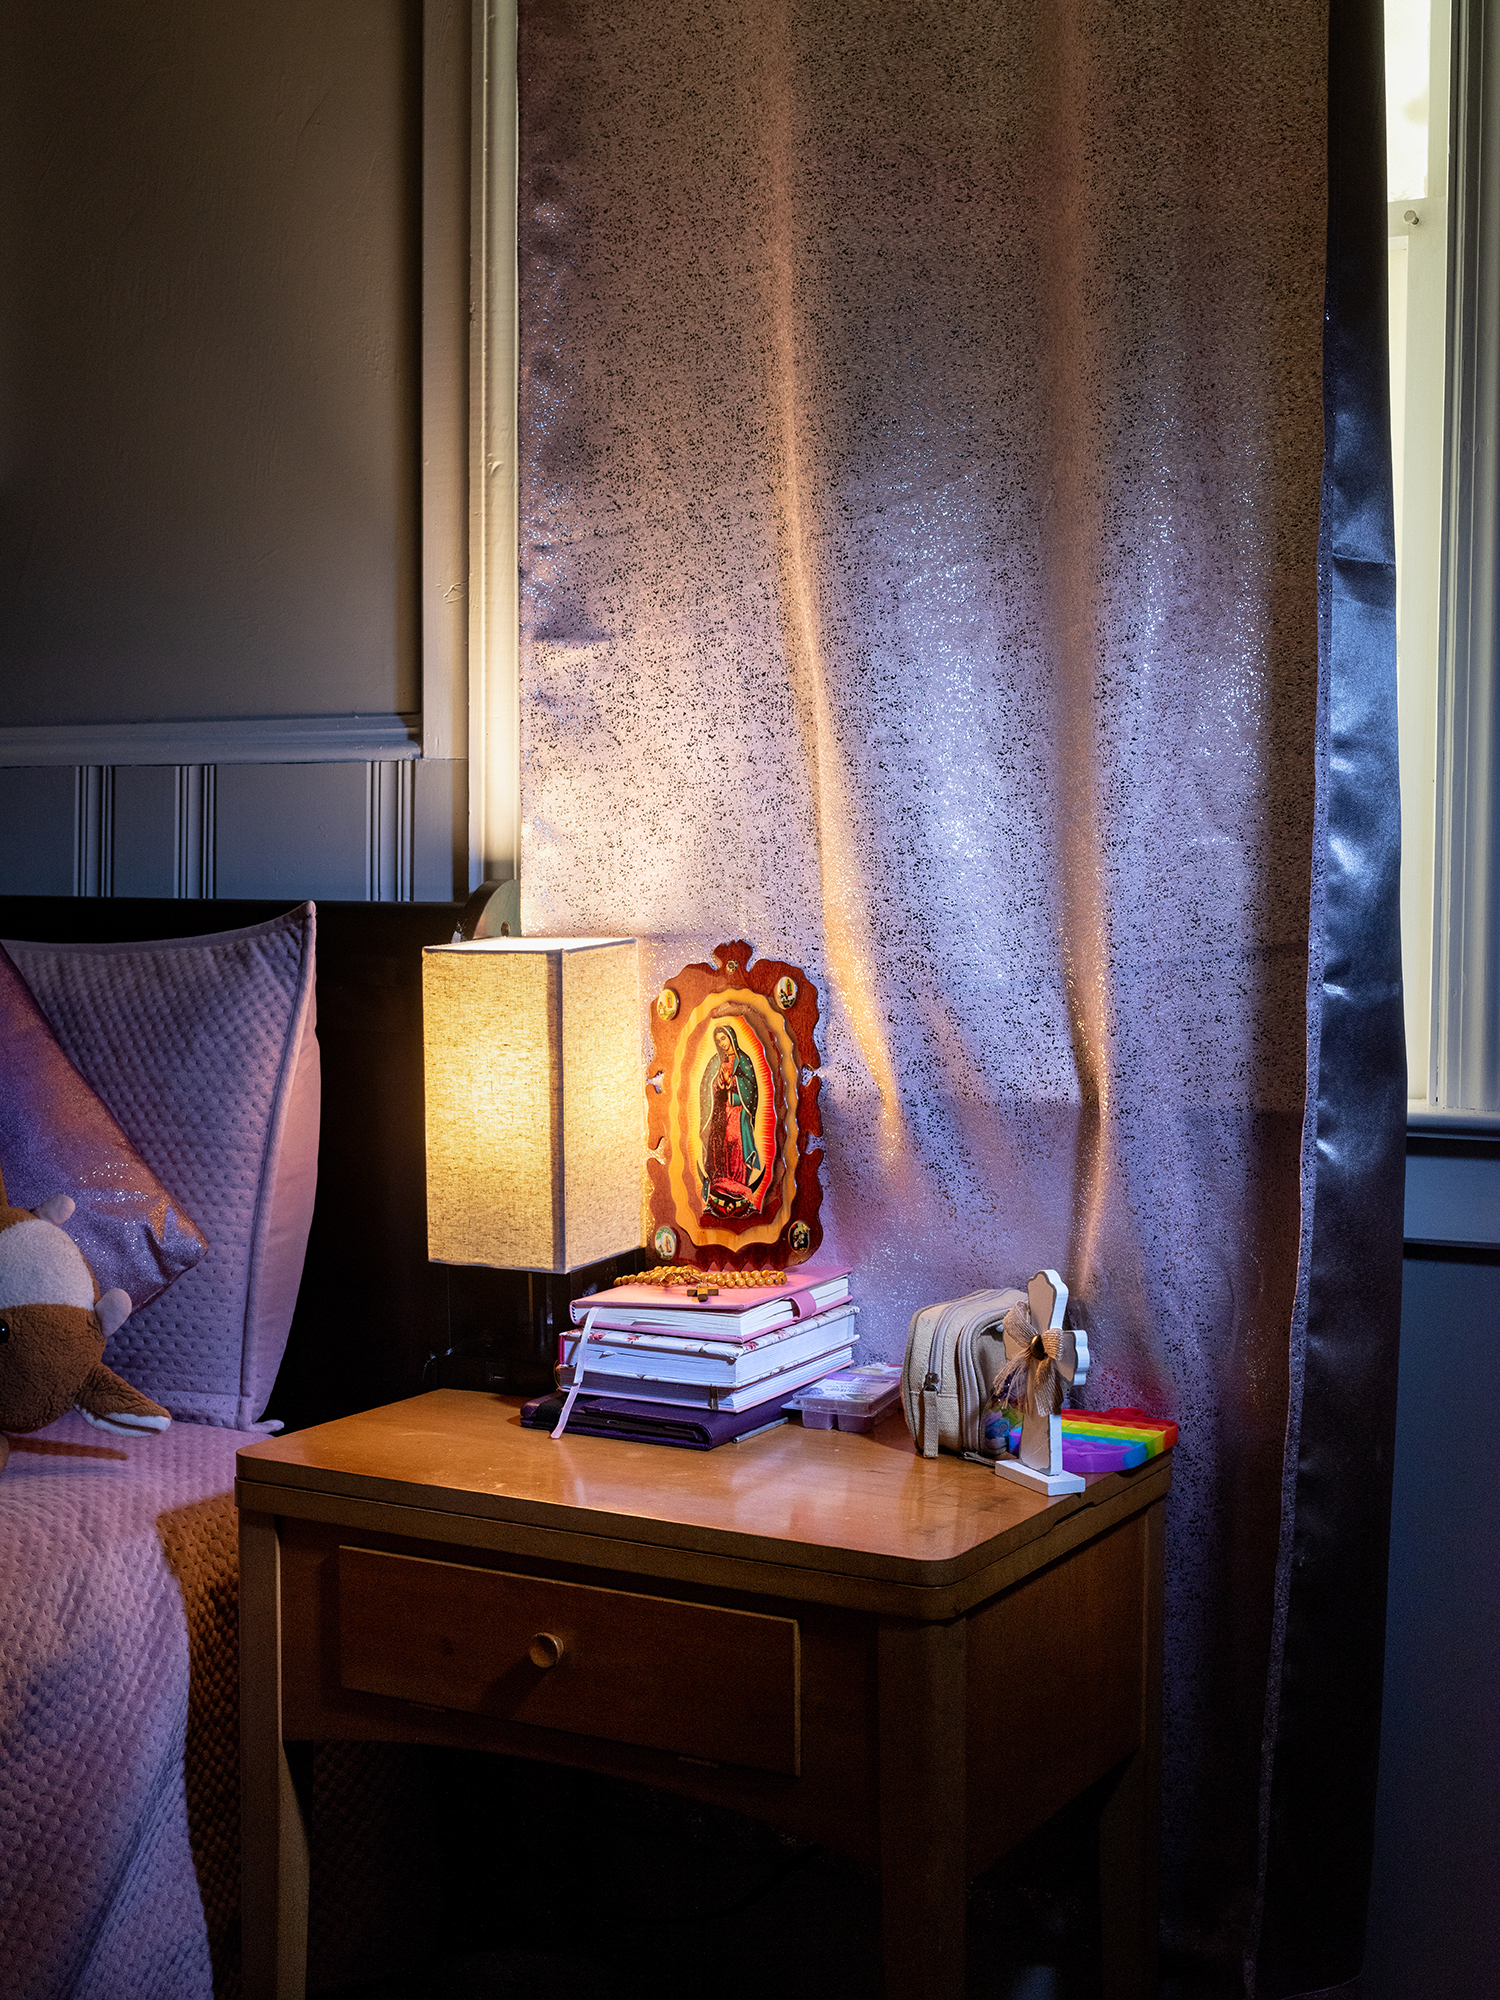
534, 1103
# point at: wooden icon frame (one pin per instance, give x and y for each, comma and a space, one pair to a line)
734, 1183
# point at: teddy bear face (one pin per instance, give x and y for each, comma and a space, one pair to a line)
39, 1261
50, 1335
53, 1327
45, 1352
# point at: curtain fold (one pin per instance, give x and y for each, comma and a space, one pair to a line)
1323, 1709
921, 430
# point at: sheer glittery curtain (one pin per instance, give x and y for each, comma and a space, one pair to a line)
921, 428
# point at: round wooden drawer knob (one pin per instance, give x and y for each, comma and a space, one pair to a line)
544, 1650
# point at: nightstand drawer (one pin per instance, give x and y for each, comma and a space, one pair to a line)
692, 1678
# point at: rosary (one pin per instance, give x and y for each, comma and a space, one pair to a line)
703, 1283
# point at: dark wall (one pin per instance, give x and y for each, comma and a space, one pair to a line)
208, 358
1435, 1894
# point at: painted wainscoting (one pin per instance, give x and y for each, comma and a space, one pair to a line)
335, 807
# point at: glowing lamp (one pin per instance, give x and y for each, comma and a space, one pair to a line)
534, 1102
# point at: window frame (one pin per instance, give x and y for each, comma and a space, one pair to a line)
1463, 1079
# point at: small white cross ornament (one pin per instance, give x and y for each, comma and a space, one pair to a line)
1041, 1355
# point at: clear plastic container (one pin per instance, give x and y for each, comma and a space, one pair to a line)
851, 1399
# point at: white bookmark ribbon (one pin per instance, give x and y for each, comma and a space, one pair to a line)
572, 1397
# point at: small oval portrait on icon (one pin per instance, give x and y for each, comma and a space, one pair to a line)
786, 992
666, 1003
664, 1242
799, 1236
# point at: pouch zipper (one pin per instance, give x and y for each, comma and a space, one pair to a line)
966, 1366
923, 1407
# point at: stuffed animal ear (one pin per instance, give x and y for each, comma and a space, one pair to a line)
56, 1208
113, 1309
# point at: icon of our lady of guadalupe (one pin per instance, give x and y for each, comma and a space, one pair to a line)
729, 1097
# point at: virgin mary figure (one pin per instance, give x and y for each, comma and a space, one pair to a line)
729, 1096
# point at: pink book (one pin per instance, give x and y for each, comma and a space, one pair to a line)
730, 1312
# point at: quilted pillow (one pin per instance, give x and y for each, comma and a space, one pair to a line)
57, 1136
205, 1050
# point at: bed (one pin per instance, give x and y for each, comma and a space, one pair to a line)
119, 1853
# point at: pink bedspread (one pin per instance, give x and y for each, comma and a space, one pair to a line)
119, 1783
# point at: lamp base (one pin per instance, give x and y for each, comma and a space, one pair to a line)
504, 1326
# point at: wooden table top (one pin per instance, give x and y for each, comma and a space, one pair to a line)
863, 1505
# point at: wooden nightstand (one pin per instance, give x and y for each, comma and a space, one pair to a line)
823, 1631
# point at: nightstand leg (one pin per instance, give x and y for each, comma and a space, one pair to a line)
923, 1830
1130, 1822
273, 1882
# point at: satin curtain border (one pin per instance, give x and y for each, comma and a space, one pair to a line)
1323, 1734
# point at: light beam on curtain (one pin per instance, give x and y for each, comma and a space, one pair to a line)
921, 442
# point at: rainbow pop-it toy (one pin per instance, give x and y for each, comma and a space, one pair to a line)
1108, 1440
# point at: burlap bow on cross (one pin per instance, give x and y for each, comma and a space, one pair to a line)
1039, 1358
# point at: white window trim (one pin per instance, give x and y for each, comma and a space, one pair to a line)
494, 705
444, 378
1445, 380
1464, 1072
1417, 228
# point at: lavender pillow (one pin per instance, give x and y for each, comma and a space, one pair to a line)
58, 1137
205, 1050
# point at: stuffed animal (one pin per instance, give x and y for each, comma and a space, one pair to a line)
53, 1326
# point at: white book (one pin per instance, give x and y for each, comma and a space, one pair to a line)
661, 1344
728, 1368
703, 1395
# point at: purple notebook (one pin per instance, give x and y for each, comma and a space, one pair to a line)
648, 1423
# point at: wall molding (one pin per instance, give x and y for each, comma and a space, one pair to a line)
196, 845
93, 830
262, 739
389, 827
389, 830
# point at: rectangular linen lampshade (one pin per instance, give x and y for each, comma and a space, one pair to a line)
534, 1104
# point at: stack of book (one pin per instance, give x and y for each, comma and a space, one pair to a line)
717, 1361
